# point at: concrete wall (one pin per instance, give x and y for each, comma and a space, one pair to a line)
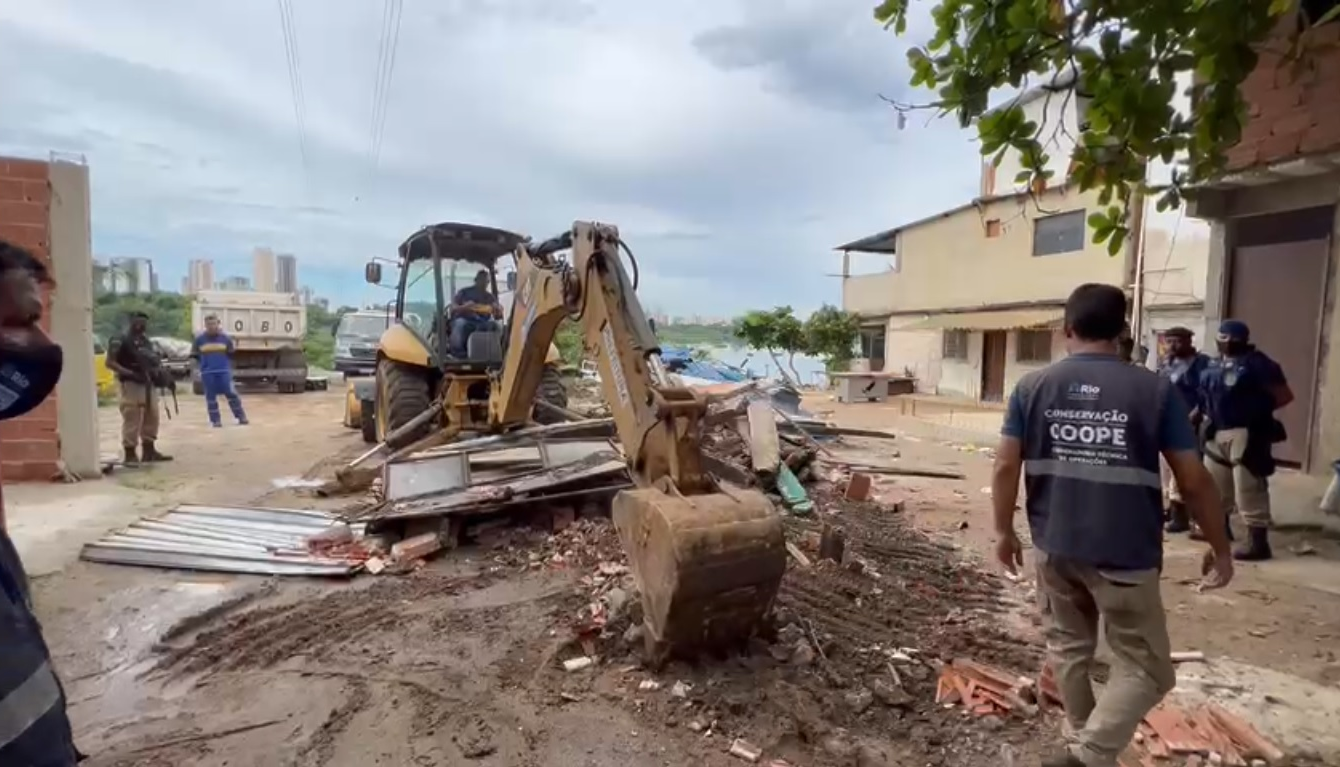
72, 317
1057, 114
957, 377
44, 207
950, 263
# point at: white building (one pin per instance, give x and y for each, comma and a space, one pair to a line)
286, 273
263, 269
199, 276
235, 283
129, 276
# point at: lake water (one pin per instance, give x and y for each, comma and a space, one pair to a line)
810, 369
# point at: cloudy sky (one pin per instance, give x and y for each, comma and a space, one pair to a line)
735, 142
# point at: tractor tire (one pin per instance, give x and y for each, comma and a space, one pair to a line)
367, 421
403, 395
552, 391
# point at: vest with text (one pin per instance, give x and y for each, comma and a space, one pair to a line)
1091, 461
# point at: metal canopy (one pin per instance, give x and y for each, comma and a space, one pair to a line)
884, 243
998, 320
482, 245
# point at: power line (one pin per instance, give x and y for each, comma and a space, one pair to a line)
288, 29
388, 46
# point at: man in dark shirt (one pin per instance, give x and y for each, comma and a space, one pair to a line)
473, 308
1183, 368
139, 370
1088, 432
34, 727
1241, 390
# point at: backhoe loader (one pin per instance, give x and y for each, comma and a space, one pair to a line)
414, 362
708, 560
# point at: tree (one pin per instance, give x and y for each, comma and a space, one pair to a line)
774, 331
831, 333
1127, 56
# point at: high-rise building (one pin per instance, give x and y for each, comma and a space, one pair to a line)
235, 283
263, 269
186, 286
199, 276
308, 295
129, 276
286, 273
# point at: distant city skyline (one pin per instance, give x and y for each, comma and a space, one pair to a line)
286, 273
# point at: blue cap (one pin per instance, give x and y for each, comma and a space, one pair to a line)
1233, 330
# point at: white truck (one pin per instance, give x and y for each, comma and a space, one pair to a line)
267, 331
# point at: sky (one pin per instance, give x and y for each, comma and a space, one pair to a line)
734, 142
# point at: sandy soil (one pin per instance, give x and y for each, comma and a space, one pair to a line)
460, 663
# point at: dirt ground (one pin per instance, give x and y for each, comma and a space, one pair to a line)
461, 662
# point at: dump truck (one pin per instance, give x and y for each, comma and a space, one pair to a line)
267, 331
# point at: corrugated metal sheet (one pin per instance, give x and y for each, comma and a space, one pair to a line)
433, 473
997, 320
259, 540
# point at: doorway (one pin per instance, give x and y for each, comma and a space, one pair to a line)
1277, 280
994, 343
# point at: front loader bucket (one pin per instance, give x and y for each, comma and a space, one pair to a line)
708, 566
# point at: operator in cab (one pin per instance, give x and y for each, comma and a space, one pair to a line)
1241, 390
1087, 432
472, 308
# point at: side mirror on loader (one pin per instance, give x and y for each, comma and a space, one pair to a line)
372, 273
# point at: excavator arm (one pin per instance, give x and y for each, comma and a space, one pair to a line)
708, 559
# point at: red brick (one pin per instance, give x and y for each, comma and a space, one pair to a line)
417, 547
11, 189
33, 238
1296, 122
38, 192
18, 168
858, 487
30, 451
28, 213
28, 471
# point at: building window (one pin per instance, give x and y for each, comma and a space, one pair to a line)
955, 345
993, 227
1035, 346
872, 347
1061, 233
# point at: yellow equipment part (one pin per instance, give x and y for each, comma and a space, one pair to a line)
353, 409
399, 344
708, 562
105, 378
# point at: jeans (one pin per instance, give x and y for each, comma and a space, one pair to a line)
221, 383
461, 328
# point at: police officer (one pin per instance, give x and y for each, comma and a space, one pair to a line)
139, 371
1183, 367
1088, 432
1241, 390
34, 728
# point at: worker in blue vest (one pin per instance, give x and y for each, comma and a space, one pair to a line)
213, 350
1087, 433
34, 728
1242, 389
1182, 367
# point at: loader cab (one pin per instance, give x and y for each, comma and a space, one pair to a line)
435, 265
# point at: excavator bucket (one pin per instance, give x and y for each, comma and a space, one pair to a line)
708, 566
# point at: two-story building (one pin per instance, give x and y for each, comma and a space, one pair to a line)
1274, 221
973, 297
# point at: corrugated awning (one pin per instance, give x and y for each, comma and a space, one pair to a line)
1009, 319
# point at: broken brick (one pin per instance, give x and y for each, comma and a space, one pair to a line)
417, 547
858, 487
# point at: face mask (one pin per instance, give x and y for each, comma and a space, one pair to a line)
28, 375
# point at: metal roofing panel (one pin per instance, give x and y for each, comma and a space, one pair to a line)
1009, 319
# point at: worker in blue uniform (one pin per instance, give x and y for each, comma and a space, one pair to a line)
34, 727
1183, 367
1241, 391
213, 350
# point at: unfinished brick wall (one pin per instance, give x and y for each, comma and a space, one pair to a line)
29, 446
1293, 110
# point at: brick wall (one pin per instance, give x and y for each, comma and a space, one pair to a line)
29, 446
1293, 110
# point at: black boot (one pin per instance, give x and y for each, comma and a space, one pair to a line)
1178, 520
132, 458
151, 454
1257, 548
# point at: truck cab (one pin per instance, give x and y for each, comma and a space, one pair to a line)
356, 337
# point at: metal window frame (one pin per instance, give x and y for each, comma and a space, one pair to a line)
1081, 214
